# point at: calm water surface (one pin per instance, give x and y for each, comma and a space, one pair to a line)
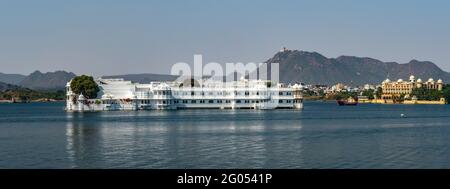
323, 135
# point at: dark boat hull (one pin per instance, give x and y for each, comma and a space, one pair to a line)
345, 103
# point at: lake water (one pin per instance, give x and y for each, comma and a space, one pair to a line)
323, 135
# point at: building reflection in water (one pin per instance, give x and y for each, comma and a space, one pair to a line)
182, 139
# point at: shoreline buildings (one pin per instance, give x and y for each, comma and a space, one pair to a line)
401, 91
118, 94
396, 89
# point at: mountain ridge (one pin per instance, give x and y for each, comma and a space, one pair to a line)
11, 78
314, 68
295, 66
56, 80
6, 86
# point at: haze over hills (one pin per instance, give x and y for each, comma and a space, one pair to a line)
36, 87
314, 68
6, 86
11, 78
47, 81
295, 66
38, 81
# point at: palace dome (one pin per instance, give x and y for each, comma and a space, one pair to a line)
439, 81
297, 86
107, 96
400, 80
190, 83
411, 77
431, 80
419, 80
81, 97
162, 86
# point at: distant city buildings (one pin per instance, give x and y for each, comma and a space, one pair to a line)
387, 92
340, 87
369, 87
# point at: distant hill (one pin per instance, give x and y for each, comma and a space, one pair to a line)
47, 81
20, 94
314, 68
143, 78
7, 86
295, 66
11, 78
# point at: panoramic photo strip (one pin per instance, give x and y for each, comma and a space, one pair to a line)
204, 93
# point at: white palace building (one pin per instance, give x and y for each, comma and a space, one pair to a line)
118, 94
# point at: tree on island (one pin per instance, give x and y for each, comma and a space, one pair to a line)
369, 93
86, 85
446, 92
378, 92
345, 94
426, 94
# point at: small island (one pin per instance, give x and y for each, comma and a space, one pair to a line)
25, 95
35, 87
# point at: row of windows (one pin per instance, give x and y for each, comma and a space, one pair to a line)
206, 101
192, 93
229, 101
163, 93
409, 87
145, 101
236, 93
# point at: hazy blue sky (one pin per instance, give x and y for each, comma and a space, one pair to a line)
117, 37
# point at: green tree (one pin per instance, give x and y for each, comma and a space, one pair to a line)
446, 92
369, 93
378, 92
345, 95
86, 85
427, 94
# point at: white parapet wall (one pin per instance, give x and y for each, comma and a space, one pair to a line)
118, 94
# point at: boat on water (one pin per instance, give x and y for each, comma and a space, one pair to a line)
347, 102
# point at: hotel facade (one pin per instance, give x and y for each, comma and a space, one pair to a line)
395, 89
118, 94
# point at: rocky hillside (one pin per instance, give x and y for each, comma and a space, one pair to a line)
47, 81
6, 86
11, 78
314, 68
